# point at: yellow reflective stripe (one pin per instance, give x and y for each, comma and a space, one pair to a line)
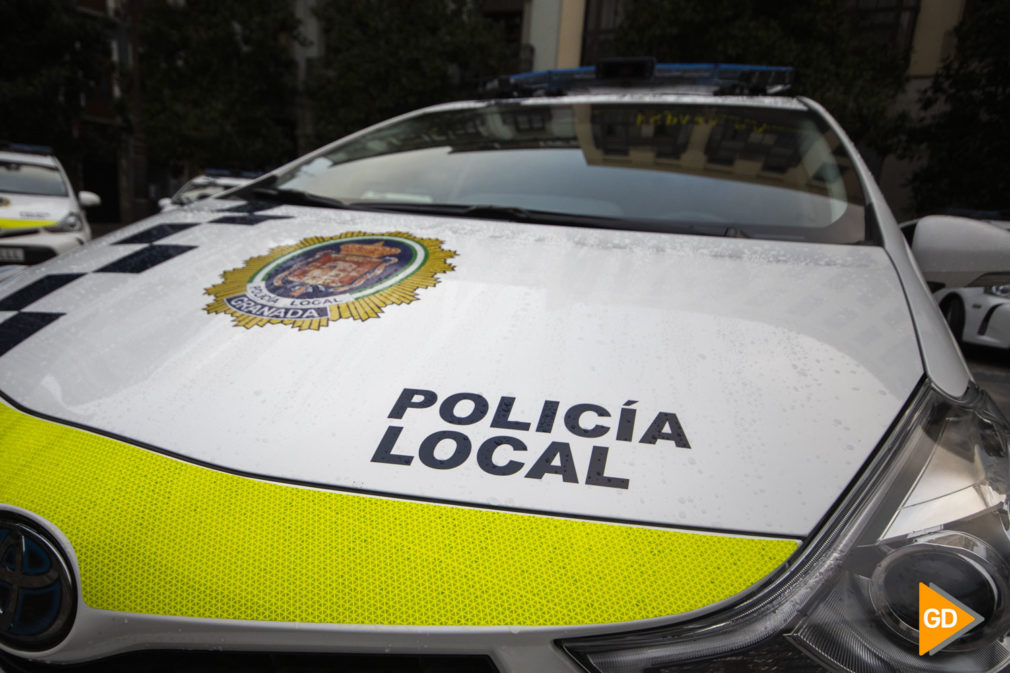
26, 224
158, 535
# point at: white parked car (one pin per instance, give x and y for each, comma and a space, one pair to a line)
980, 314
634, 375
201, 187
40, 216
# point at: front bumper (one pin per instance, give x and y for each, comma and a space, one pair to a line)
40, 245
171, 555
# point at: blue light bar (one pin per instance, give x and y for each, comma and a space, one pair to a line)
720, 77
26, 148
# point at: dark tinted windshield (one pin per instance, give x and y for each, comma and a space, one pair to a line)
31, 179
770, 173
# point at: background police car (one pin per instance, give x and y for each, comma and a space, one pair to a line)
40, 215
202, 187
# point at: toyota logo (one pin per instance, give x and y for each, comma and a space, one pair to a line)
36, 590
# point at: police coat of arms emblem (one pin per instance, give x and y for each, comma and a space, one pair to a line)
319, 280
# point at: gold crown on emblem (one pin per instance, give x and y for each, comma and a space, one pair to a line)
376, 249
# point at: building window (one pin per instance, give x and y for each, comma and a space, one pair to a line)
507, 16
887, 23
602, 20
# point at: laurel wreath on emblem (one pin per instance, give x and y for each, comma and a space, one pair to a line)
322, 279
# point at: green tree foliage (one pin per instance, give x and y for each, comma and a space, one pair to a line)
384, 58
53, 56
963, 132
853, 76
217, 79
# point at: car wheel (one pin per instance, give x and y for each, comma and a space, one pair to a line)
953, 312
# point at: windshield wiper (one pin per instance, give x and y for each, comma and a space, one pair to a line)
517, 214
296, 197
513, 213
485, 212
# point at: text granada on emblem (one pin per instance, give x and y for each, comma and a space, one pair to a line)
321, 279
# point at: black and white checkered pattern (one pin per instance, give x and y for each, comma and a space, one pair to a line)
23, 324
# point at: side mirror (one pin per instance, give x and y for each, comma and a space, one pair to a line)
961, 252
164, 202
89, 199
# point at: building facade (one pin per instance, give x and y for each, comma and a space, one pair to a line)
540, 34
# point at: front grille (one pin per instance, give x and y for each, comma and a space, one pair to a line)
33, 254
173, 661
37, 253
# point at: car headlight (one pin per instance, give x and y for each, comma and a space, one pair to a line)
998, 290
930, 507
69, 222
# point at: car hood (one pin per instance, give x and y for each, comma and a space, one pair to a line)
29, 211
665, 380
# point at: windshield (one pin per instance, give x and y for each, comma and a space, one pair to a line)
765, 172
31, 179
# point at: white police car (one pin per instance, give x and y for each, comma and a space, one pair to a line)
615, 378
40, 216
203, 186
